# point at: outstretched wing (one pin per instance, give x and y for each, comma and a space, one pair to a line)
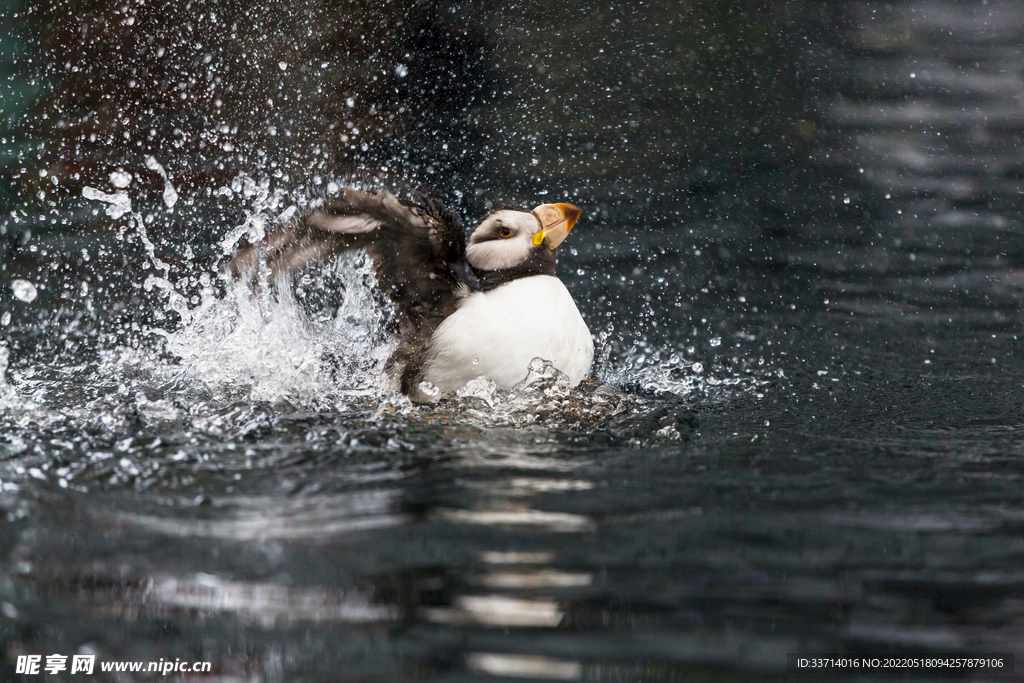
418, 251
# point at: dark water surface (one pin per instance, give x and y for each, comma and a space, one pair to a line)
804, 433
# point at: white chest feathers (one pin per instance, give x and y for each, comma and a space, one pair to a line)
496, 334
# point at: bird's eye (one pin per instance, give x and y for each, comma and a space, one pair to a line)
505, 232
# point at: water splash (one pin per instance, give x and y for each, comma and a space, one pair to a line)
118, 203
16, 408
263, 202
310, 343
170, 194
24, 290
684, 374
214, 361
545, 399
272, 349
320, 342
120, 179
7, 394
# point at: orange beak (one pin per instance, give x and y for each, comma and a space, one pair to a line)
556, 223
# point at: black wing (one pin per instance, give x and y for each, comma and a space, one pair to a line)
418, 251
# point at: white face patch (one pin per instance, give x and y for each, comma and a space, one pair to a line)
488, 250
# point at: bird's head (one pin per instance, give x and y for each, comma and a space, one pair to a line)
508, 239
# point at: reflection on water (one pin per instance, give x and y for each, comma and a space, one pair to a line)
519, 516
274, 518
263, 603
536, 579
499, 610
523, 666
804, 432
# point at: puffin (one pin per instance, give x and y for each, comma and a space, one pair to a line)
462, 310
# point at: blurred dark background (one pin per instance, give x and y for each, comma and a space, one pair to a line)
494, 100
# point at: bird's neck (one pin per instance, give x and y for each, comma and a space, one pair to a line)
489, 279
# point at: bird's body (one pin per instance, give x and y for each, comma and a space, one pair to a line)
462, 311
497, 333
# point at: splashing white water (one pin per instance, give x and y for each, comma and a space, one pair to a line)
170, 194
266, 342
118, 203
270, 349
6, 391
18, 408
258, 342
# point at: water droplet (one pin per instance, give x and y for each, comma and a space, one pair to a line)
120, 179
716, 341
24, 290
170, 194
429, 390
481, 388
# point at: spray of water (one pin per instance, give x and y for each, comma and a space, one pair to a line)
319, 341
269, 349
258, 340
